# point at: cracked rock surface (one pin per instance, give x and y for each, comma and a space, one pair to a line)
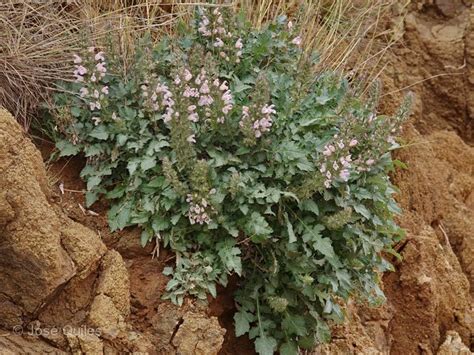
64, 288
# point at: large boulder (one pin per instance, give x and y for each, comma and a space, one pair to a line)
41, 250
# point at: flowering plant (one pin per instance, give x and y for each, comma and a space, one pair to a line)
224, 146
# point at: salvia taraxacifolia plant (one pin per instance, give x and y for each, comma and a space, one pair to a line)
224, 146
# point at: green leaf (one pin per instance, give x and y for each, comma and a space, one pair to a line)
118, 192
324, 246
148, 163
307, 342
291, 233
211, 287
265, 345
122, 217
257, 225
294, 324
242, 323
361, 209
66, 148
99, 132
91, 198
310, 206
289, 349
76, 111
160, 223
93, 181
132, 166
230, 256
175, 219
244, 209
144, 237
239, 86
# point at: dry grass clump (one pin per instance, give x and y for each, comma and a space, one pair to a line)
37, 38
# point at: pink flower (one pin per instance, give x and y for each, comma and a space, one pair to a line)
322, 169
218, 43
353, 143
226, 109
327, 183
167, 116
327, 152
94, 105
216, 83
93, 78
205, 100
91, 49
345, 162
177, 80
84, 92
96, 94
80, 70
227, 97
187, 75
266, 109
191, 108
105, 90
296, 41
101, 68
239, 44
191, 138
96, 120
77, 59
193, 117
204, 88
224, 86
370, 161
99, 56
344, 174
340, 144
290, 25
190, 92
205, 21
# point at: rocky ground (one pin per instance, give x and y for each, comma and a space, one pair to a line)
62, 270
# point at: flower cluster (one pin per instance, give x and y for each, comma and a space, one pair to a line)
214, 27
337, 160
90, 72
199, 97
257, 119
199, 209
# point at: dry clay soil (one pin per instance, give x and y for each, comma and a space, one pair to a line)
62, 270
